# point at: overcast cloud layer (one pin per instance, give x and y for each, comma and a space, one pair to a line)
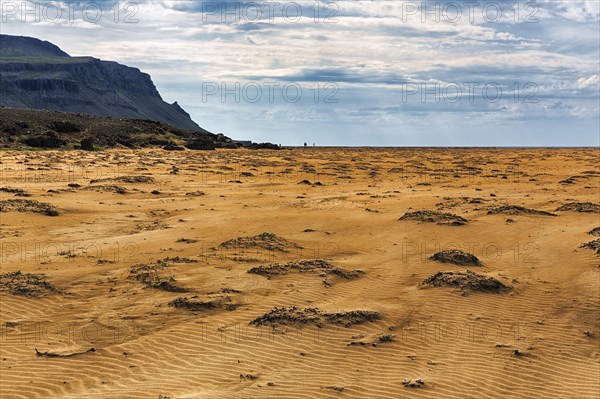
369, 72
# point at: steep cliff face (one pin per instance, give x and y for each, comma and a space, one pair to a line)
20, 46
38, 75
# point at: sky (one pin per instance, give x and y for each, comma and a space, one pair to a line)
351, 73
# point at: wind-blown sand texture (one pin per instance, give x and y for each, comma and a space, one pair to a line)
293, 274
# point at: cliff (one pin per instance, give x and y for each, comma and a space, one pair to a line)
38, 75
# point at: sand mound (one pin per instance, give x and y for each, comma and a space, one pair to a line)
317, 266
271, 270
418, 383
125, 179
54, 354
150, 226
466, 281
427, 216
517, 210
456, 257
595, 231
382, 339
352, 317
587, 207
443, 335
25, 284
16, 191
221, 302
593, 245
150, 277
108, 188
298, 317
179, 259
289, 316
268, 241
195, 194
450, 202
29, 206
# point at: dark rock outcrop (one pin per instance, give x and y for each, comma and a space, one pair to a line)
87, 143
200, 144
48, 139
264, 146
456, 257
52, 129
466, 281
37, 74
588, 207
173, 147
427, 216
517, 210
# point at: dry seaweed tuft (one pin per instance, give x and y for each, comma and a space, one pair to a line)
456, 257
466, 281
442, 218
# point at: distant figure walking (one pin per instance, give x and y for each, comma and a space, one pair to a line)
305, 145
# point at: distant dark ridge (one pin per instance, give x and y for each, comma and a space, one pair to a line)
36, 74
21, 46
53, 129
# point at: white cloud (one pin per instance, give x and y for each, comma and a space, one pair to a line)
369, 48
584, 83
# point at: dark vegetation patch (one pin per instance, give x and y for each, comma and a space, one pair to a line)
125, 179
293, 316
64, 127
570, 180
244, 259
25, 284
220, 302
456, 257
16, 191
593, 245
289, 316
587, 207
450, 202
108, 188
186, 241
150, 226
178, 259
173, 147
419, 383
54, 129
577, 178
517, 210
352, 317
318, 266
29, 206
268, 241
226, 291
195, 194
43, 139
382, 339
54, 354
264, 146
150, 276
427, 216
595, 231
466, 281
385, 338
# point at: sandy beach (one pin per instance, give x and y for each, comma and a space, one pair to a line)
300, 273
